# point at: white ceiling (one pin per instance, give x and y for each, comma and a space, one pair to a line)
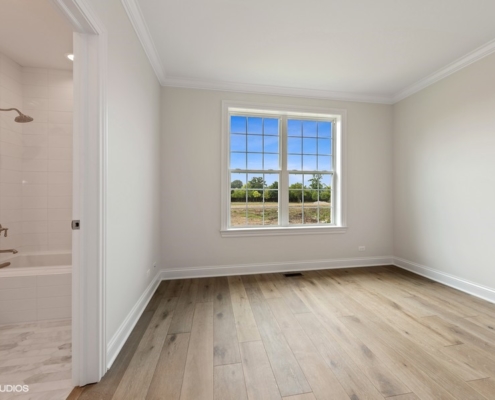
374, 48
34, 34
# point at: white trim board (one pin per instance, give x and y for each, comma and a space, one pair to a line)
125, 329
449, 69
307, 93
483, 292
266, 268
89, 191
139, 24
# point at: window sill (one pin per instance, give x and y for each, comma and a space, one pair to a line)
282, 231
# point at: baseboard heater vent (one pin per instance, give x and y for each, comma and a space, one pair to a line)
292, 274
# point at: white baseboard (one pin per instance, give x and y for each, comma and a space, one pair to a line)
247, 269
455, 282
118, 340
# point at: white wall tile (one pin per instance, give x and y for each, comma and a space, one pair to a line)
54, 291
12, 218
57, 153
35, 91
54, 280
60, 129
59, 201
59, 190
34, 128
15, 317
35, 153
6, 82
12, 163
34, 190
35, 177
17, 293
35, 103
35, 77
60, 117
60, 165
35, 214
34, 227
33, 249
9, 176
10, 68
36, 168
40, 140
59, 227
17, 282
11, 150
35, 239
10, 202
35, 165
17, 305
8, 136
54, 313
60, 241
56, 177
39, 115
61, 104
59, 214
63, 141
54, 302
35, 202
11, 189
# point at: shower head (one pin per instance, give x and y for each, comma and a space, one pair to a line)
22, 118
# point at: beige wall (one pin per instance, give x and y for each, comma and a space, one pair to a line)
190, 183
133, 226
444, 175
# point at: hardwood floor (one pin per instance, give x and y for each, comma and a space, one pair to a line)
364, 333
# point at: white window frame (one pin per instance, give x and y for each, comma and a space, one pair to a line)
339, 215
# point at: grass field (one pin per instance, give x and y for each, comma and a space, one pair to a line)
255, 214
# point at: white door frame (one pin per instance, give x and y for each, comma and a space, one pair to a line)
89, 191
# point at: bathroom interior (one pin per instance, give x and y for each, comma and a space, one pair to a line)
36, 97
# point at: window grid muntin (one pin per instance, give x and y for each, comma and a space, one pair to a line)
283, 187
248, 190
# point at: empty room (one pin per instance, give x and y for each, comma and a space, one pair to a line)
247, 200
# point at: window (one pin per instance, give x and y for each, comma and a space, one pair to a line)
282, 170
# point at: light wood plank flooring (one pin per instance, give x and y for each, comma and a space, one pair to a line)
364, 333
36, 354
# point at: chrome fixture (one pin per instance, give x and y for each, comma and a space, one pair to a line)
2, 229
6, 264
13, 251
22, 118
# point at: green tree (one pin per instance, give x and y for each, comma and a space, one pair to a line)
256, 183
272, 192
237, 184
315, 181
238, 194
295, 193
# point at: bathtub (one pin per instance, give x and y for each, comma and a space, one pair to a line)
36, 287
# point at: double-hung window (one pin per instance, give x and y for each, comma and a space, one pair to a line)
282, 170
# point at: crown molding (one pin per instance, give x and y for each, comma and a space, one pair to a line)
449, 69
137, 20
275, 90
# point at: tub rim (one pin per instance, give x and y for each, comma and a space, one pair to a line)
33, 271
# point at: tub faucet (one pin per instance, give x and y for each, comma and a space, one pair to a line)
2, 229
13, 251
